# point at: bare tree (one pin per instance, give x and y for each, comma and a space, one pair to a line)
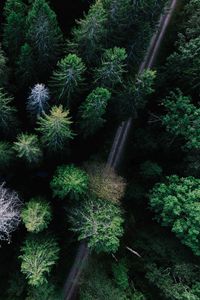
9, 212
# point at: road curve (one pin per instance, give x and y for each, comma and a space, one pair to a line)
119, 145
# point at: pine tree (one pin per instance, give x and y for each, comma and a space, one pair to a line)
90, 35
3, 68
14, 28
27, 147
67, 79
38, 100
69, 181
39, 255
93, 110
36, 214
55, 129
8, 120
110, 72
100, 222
44, 36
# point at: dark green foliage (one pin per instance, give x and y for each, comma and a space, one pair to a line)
90, 34
14, 28
182, 119
17, 285
120, 272
110, 72
8, 120
39, 255
27, 147
150, 170
55, 129
36, 214
69, 181
3, 68
44, 36
176, 204
47, 291
93, 110
100, 222
68, 78
6, 155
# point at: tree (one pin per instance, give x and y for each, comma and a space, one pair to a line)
90, 35
14, 27
93, 109
100, 222
25, 71
112, 68
120, 272
105, 183
176, 204
47, 291
55, 128
39, 255
28, 148
6, 155
10, 206
3, 68
44, 35
8, 120
182, 118
69, 181
38, 100
36, 214
68, 78
150, 170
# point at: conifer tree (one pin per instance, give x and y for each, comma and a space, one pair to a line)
36, 214
14, 27
39, 255
93, 110
6, 155
69, 181
90, 34
110, 72
44, 36
55, 128
3, 68
8, 120
67, 79
38, 99
27, 147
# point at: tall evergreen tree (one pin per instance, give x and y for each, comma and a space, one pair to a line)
44, 35
3, 68
38, 99
93, 110
55, 129
67, 78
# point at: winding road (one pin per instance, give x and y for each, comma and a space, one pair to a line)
118, 146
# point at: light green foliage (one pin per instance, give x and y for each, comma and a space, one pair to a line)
3, 68
28, 148
120, 272
55, 128
90, 34
36, 214
47, 291
93, 110
25, 72
6, 155
8, 121
110, 72
105, 183
100, 222
182, 119
149, 170
14, 27
67, 79
69, 181
176, 204
39, 255
44, 35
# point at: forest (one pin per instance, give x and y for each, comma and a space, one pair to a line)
99, 150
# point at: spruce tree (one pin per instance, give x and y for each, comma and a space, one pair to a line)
67, 79
3, 68
27, 147
44, 36
93, 110
38, 99
55, 129
39, 255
